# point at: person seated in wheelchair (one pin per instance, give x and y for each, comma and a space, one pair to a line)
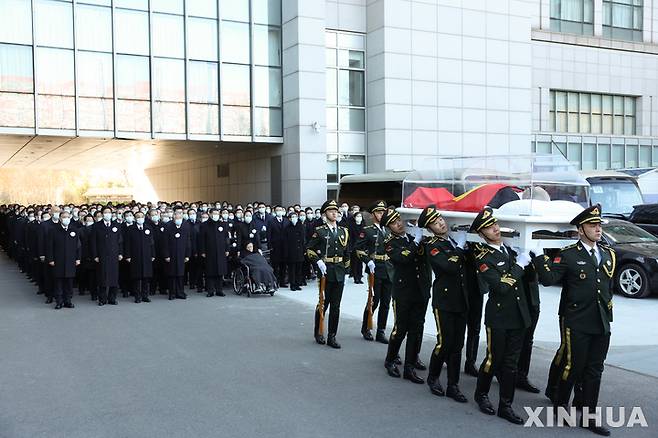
260, 272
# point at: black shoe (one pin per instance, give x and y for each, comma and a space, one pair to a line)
101, 303
454, 393
138, 300
392, 369
146, 300
125, 294
320, 339
49, 300
367, 335
69, 305
525, 385
381, 337
171, 298
435, 386
210, 294
221, 293
284, 285
599, 430
199, 290
397, 360
506, 412
469, 368
419, 365
112, 302
304, 283
331, 341
410, 374
93, 297
484, 404
39, 292
181, 297
58, 306
358, 282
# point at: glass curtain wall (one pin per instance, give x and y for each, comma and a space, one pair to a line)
138, 68
346, 102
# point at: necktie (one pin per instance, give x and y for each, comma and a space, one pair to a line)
593, 253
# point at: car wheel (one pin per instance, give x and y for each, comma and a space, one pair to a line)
632, 282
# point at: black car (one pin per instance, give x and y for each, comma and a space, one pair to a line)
636, 275
645, 216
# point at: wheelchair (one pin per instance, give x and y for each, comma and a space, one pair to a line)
244, 284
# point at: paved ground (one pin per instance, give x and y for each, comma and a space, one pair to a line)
232, 367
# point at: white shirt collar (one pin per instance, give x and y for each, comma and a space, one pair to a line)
589, 248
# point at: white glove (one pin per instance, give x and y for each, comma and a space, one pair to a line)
523, 259
371, 266
460, 239
537, 251
322, 267
417, 233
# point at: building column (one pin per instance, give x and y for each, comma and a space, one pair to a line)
304, 152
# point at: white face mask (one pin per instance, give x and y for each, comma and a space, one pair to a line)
129, 219
204, 220
302, 218
178, 222
107, 217
165, 219
225, 216
140, 221
55, 217
66, 221
45, 217
247, 219
279, 213
293, 220
318, 215
193, 217
358, 220
89, 224
215, 217
261, 210
267, 210
30, 218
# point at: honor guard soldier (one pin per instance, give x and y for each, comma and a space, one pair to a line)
500, 273
585, 270
370, 250
447, 259
411, 282
328, 249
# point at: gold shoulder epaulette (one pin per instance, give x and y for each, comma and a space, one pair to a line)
389, 238
573, 245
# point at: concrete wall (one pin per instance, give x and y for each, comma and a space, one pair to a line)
447, 77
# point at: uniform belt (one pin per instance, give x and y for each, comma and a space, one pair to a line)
333, 259
381, 258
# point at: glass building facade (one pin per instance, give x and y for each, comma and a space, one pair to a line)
172, 69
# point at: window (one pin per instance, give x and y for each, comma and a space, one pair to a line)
235, 42
572, 16
169, 6
142, 5
202, 82
235, 10
16, 21
133, 80
202, 39
168, 39
622, 19
267, 45
93, 28
267, 11
132, 31
576, 112
55, 71
267, 84
202, 8
169, 80
16, 68
345, 97
235, 85
94, 74
54, 24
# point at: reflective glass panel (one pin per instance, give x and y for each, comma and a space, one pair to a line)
132, 31
96, 114
202, 39
351, 88
351, 119
132, 77
170, 6
93, 28
94, 74
268, 122
54, 23
235, 42
267, 85
169, 117
133, 115
202, 8
267, 11
169, 80
236, 120
56, 112
267, 45
55, 71
204, 119
16, 68
142, 5
16, 21
202, 82
235, 85
168, 36
17, 110
237, 10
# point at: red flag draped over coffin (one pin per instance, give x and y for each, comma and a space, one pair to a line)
472, 201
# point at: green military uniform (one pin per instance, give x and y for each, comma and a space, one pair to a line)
411, 282
531, 287
449, 305
585, 274
330, 245
506, 319
370, 246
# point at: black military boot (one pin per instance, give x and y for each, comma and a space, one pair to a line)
49, 300
381, 337
392, 369
367, 335
435, 385
471, 355
320, 339
523, 383
507, 383
410, 374
481, 395
590, 398
331, 341
69, 305
452, 390
419, 365
210, 294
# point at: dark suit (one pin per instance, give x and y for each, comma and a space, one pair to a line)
295, 243
276, 240
213, 244
63, 248
106, 244
177, 247
140, 249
